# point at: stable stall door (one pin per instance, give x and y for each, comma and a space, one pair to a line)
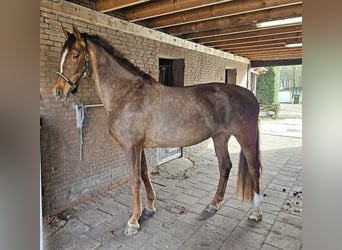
171, 73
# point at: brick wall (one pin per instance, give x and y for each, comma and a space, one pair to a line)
65, 179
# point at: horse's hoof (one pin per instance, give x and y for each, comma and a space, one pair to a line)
254, 215
132, 229
211, 208
148, 212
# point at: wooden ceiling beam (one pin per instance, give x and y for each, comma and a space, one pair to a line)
216, 11
219, 31
254, 41
267, 53
110, 5
278, 52
225, 31
222, 24
280, 62
258, 43
270, 38
268, 58
259, 48
293, 54
248, 18
270, 47
248, 47
272, 56
164, 7
251, 34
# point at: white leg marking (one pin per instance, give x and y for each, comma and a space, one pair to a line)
256, 213
63, 59
257, 201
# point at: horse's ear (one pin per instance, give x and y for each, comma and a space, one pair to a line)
66, 33
76, 33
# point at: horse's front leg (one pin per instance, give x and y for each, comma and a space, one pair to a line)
134, 166
149, 210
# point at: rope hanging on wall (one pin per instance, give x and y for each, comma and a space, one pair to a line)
81, 118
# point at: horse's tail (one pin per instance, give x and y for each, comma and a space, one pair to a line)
244, 188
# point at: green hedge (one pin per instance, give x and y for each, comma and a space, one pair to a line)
268, 85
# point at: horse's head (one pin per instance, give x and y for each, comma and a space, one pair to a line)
74, 64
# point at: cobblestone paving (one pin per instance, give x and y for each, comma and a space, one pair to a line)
289, 122
184, 187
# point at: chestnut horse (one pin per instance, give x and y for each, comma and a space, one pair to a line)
143, 113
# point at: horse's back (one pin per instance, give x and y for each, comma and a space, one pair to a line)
232, 91
187, 115
232, 97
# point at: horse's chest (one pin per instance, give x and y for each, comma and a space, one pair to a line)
125, 128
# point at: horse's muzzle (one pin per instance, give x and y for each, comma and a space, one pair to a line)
59, 93
60, 96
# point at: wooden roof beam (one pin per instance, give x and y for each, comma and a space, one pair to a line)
250, 34
281, 62
272, 56
298, 57
248, 18
258, 43
270, 47
275, 52
258, 39
219, 32
269, 54
225, 31
217, 10
164, 7
110, 5
248, 47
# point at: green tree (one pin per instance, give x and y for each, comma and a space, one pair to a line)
268, 85
290, 77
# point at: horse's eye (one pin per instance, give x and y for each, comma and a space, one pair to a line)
75, 55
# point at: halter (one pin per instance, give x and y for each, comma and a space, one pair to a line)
74, 85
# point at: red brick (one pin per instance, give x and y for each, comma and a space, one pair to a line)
44, 41
52, 21
48, 15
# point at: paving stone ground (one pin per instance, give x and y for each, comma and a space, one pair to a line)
184, 187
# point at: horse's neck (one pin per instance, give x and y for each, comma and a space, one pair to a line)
113, 82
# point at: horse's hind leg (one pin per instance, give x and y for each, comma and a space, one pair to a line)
149, 210
225, 164
251, 154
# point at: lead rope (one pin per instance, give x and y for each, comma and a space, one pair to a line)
81, 118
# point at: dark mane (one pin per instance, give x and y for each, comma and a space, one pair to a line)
117, 55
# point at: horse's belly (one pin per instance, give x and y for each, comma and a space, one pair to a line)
177, 137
